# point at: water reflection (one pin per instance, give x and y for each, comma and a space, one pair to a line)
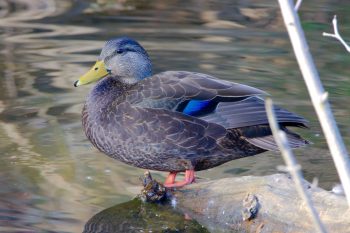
51, 177
136, 216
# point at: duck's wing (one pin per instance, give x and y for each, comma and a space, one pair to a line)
203, 99
232, 105
189, 85
251, 111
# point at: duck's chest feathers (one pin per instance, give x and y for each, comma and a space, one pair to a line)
121, 134
103, 111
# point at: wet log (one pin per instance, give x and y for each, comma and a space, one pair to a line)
260, 204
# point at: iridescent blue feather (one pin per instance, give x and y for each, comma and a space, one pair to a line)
199, 107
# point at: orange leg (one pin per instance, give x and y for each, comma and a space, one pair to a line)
189, 178
170, 179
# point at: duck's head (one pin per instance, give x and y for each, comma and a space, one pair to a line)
122, 58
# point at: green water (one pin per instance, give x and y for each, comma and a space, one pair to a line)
53, 180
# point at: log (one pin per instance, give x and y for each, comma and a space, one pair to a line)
239, 204
218, 205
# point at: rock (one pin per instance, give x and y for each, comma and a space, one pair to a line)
152, 191
270, 204
250, 207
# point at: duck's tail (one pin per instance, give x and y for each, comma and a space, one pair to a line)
252, 140
267, 141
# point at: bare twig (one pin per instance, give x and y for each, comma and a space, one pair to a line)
292, 166
297, 5
336, 34
318, 96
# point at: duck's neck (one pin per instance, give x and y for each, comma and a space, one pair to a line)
103, 94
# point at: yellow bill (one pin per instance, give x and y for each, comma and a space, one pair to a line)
97, 72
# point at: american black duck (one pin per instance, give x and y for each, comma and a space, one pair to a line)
174, 121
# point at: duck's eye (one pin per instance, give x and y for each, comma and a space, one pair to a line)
119, 51
96, 68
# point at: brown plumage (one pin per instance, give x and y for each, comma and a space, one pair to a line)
180, 121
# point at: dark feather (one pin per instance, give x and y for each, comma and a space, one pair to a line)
249, 112
188, 85
268, 142
261, 136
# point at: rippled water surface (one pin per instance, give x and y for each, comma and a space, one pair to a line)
53, 180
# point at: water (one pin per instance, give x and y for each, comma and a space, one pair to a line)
53, 180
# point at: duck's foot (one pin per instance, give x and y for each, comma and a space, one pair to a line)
170, 180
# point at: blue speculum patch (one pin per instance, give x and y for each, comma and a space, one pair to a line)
199, 107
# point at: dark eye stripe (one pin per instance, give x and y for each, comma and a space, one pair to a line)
119, 51
107, 58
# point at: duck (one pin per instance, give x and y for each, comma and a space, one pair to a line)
174, 121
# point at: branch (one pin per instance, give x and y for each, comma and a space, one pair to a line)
297, 5
336, 34
318, 96
292, 166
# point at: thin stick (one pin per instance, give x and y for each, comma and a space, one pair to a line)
292, 166
336, 34
318, 96
297, 5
